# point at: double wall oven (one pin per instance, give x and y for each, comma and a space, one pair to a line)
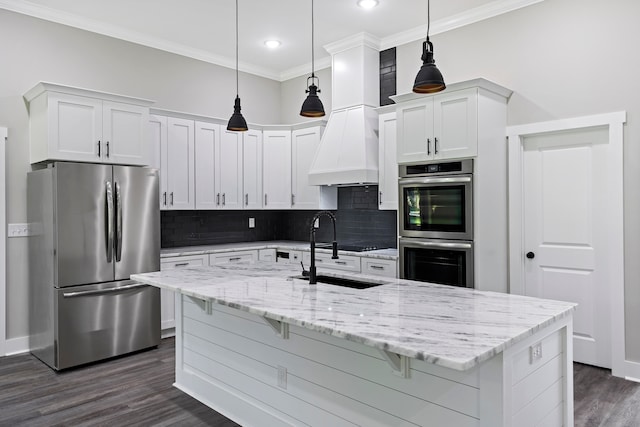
436, 222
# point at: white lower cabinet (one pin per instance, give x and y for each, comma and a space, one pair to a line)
323, 261
239, 257
267, 255
167, 298
379, 267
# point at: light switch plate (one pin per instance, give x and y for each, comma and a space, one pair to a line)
252, 223
535, 352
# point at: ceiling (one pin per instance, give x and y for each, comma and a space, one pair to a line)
205, 29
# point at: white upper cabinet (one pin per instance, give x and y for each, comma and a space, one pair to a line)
446, 125
304, 143
158, 143
207, 138
252, 169
276, 169
78, 125
229, 170
180, 164
388, 166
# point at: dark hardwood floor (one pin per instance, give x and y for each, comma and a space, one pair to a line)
137, 391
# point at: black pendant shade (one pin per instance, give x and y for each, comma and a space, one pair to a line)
237, 123
429, 78
312, 106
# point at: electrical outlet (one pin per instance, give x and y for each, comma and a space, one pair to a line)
282, 377
20, 230
535, 352
252, 223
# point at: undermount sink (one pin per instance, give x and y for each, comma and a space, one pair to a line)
340, 281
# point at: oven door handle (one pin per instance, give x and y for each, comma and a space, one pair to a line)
453, 180
444, 245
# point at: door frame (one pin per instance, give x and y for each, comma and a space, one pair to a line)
3, 242
615, 251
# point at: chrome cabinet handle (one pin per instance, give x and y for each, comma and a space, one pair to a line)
118, 243
164, 196
171, 198
107, 149
428, 147
109, 193
435, 143
246, 199
223, 199
103, 291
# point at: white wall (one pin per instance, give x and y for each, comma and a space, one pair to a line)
33, 50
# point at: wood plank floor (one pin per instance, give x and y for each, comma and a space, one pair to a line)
137, 391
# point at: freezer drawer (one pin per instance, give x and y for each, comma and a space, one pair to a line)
95, 322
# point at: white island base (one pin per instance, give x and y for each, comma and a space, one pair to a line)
265, 373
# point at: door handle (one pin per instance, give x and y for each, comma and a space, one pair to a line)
293, 199
428, 146
377, 267
531, 255
118, 223
164, 196
172, 198
98, 148
218, 199
265, 200
109, 230
380, 195
341, 262
103, 291
246, 199
181, 264
107, 149
223, 199
435, 144
235, 259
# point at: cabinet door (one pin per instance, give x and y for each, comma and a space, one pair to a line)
379, 267
415, 131
229, 169
234, 257
167, 298
388, 166
180, 164
158, 142
252, 169
75, 128
207, 138
456, 124
304, 146
276, 170
124, 133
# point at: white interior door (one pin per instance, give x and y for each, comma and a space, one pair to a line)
565, 232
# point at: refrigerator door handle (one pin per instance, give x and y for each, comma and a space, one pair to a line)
109, 227
103, 291
118, 243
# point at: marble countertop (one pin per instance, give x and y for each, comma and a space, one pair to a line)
457, 328
391, 254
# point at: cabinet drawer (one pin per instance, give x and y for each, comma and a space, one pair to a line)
233, 257
324, 261
379, 267
267, 255
183, 261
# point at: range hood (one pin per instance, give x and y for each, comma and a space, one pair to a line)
348, 150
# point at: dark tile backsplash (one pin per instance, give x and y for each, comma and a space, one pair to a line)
387, 75
358, 220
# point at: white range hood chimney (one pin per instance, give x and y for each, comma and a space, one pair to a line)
348, 151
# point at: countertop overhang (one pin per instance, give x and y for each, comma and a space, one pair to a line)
457, 328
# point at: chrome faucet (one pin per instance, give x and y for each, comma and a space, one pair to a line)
312, 240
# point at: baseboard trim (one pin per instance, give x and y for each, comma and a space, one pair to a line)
16, 345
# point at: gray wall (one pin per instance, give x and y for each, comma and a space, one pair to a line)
33, 50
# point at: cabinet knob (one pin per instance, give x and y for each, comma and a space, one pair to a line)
531, 255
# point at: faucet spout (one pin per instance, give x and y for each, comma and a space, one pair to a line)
312, 241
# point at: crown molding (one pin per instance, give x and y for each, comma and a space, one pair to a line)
489, 10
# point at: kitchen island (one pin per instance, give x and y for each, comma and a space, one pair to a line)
264, 348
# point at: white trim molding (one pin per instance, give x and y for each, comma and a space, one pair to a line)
3, 241
615, 122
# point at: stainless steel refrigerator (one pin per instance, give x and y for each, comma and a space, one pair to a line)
95, 226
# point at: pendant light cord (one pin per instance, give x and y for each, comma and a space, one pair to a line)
312, 55
428, 17
237, 85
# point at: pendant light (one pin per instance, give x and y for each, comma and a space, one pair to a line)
429, 78
237, 123
312, 106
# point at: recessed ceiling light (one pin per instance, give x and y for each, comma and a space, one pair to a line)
367, 4
272, 44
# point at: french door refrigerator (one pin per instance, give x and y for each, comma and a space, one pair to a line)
95, 226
